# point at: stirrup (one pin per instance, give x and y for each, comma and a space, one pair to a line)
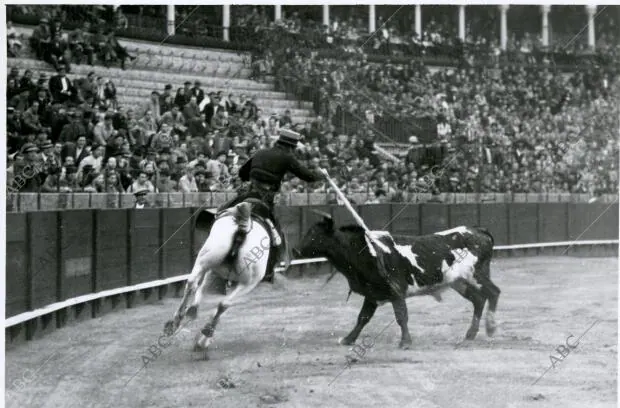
277, 239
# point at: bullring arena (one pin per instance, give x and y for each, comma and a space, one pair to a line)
280, 349
125, 123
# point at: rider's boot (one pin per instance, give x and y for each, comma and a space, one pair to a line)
276, 252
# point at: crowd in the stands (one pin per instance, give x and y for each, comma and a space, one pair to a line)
501, 128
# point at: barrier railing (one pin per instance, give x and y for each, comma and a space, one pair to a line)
26, 316
25, 202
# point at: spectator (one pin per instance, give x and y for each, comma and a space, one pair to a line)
183, 95
175, 120
80, 44
72, 131
154, 106
94, 183
109, 94
14, 46
77, 151
166, 100
218, 168
104, 130
141, 183
31, 122
199, 127
165, 184
94, 160
40, 38
190, 109
198, 92
187, 183
141, 201
116, 51
61, 88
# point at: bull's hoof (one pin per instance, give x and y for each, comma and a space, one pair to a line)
192, 312
344, 341
169, 328
471, 334
405, 344
491, 327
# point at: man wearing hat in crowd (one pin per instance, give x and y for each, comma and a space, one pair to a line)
265, 171
40, 38
198, 92
49, 156
183, 94
61, 87
31, 176
73, 130
166, 100
141, 201
77, 150
26, 83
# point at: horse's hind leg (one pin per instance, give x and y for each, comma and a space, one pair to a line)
205, 262
205, 338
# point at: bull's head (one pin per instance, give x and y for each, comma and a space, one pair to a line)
313, 244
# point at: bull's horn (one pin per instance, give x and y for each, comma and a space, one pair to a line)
322, 214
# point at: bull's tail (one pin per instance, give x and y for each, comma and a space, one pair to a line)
487, 233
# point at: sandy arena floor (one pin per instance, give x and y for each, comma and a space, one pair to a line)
281, 349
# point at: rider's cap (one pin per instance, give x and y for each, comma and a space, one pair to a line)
141, 192
288, 137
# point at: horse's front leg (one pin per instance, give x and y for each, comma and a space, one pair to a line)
368, 310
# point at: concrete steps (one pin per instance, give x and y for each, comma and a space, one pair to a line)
159, 64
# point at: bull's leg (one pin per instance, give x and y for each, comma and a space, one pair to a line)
368, 310
477, 298
491, 292
402, 318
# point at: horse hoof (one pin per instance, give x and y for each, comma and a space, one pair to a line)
491, 330
344, 342
471, 334
169, 328
192, 312
405, 345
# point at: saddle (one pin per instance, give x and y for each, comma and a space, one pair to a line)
253, 210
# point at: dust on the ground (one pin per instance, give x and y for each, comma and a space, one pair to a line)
280, 349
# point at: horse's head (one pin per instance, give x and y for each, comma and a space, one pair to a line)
314, 242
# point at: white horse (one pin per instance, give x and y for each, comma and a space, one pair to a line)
212, 270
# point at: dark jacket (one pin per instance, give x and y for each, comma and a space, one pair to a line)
271, 165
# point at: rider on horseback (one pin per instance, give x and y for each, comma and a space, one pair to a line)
265, 171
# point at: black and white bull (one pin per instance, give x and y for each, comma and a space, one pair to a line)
459, 258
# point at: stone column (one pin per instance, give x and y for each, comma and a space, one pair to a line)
591, 9
278, 13
326, 15
462, 22
418, 20
170, 19
372, 19
503, 31
546, 9
226, 22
